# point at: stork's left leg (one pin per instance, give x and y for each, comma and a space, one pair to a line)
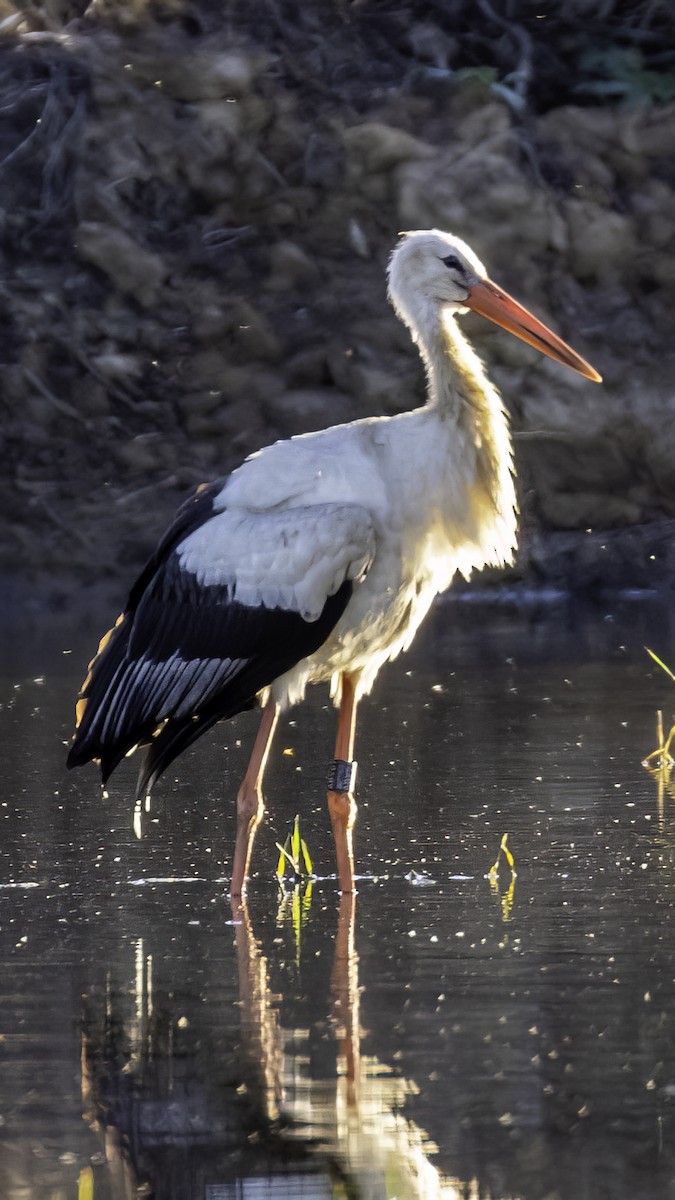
250, 806
341, 802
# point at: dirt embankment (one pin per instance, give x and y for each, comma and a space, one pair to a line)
194, 248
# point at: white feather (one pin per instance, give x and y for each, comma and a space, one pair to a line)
289, 559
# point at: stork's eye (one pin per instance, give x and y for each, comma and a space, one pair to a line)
452, 261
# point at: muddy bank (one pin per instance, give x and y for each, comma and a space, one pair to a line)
193, 265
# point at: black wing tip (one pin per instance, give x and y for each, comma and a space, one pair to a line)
105, 758
148, 776
74, 759
81, 752
167, 746
178, 735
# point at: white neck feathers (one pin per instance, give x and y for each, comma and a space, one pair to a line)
460, 392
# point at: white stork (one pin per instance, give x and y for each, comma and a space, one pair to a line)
317, 559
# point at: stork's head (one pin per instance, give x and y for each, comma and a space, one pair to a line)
431, 270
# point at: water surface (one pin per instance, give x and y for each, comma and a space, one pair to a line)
446, 1035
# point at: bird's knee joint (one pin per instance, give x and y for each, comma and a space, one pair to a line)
342, 809
250, 805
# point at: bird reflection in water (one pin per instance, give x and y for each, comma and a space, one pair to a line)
274, 1130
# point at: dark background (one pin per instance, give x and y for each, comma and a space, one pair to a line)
198, 202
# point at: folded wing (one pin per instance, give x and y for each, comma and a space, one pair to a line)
231, 600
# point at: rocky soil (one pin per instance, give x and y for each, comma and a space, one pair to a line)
194, 229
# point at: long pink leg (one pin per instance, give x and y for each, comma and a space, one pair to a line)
250, 807
341, 802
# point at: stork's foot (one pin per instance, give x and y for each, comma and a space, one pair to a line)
342, 809
250, 810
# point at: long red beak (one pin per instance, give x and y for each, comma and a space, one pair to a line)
491, 302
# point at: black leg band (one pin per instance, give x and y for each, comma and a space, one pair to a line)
342, 776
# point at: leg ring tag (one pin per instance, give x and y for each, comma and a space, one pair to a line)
342, 776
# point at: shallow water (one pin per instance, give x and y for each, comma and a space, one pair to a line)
447, 1034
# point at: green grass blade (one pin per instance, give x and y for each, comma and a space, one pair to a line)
659, 663
306, 857
295, 841
281, 866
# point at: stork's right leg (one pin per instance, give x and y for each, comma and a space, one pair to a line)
341, 802
250, 807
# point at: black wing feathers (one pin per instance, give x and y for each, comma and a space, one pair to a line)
183, 656
287, 639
